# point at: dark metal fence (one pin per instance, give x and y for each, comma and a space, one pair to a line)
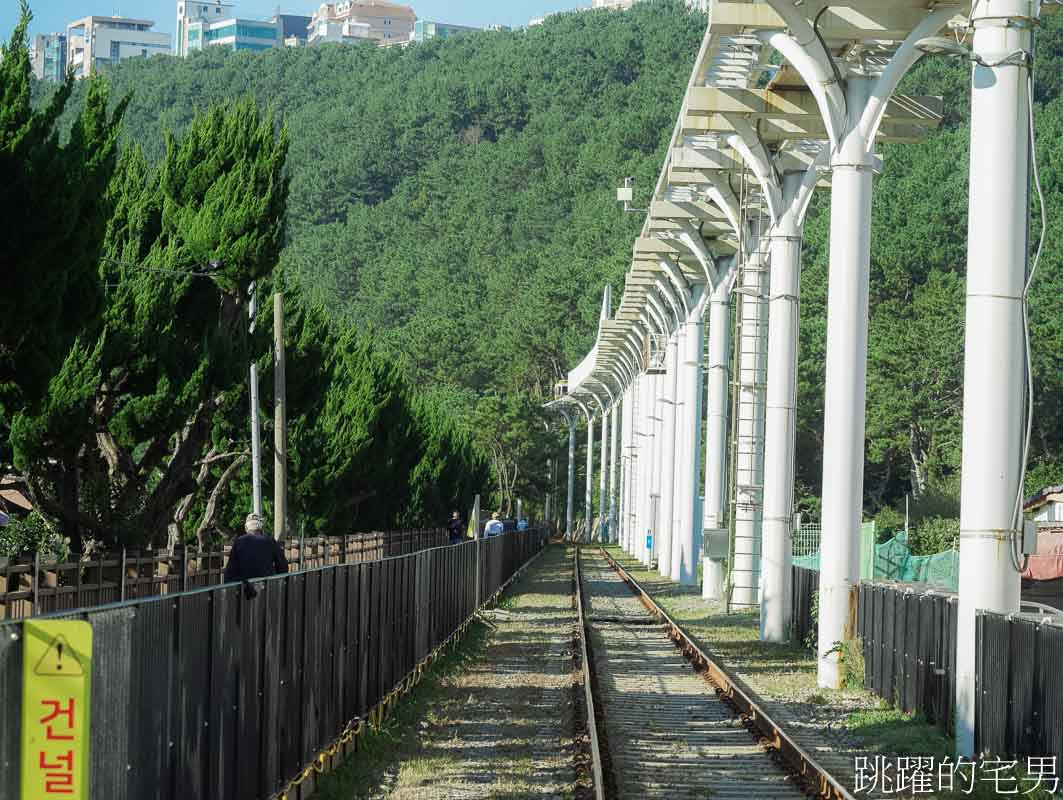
210, 694
1020, 685
41, 586
909, 646
804, 589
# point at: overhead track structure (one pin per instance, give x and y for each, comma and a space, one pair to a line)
781, 93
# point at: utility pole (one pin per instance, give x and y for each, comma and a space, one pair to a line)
280, 424
256, 442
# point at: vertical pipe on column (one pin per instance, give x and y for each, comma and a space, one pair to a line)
719, 380
779, 426
994, 355
666, 410
844, 395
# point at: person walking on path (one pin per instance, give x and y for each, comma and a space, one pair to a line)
494, 526
255, 555
456, 528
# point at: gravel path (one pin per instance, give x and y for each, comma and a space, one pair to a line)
504, 727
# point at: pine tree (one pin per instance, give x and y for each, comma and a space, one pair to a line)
55, 209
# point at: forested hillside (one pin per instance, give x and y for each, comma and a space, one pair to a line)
456, 200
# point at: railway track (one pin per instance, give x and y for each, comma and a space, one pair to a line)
668, 726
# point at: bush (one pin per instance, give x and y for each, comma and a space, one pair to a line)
934, 535
31, 535
888, 521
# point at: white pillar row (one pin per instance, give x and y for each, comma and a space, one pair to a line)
718, 379
688, 477
994, 351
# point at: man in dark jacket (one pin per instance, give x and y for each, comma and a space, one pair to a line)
456, 528
255, 555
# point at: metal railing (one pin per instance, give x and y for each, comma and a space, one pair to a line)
218, 694
44, 586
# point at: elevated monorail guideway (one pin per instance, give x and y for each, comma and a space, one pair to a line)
783, 96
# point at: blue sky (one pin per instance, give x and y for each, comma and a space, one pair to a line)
52, 15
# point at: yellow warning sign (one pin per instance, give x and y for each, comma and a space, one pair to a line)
56, 667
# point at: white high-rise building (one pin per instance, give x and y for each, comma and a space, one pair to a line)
94, 42
195, 11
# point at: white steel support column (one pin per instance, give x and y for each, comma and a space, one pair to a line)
614, 443
845, 392
645, 456
780, 417
995, 358
603, 476
570, 505
684, 557
719, 380
682, 449
624, 458
749, 464
588, 497
652, 471
666, 410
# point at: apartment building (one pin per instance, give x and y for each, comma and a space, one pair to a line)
388, 23
424, 29
48, 56
94, 42
191, 12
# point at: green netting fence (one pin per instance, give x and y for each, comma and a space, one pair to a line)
893, 561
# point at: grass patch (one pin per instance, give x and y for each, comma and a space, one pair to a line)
397, 738
887, 730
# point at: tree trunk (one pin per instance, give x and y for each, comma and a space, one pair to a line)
918, 463
210, 515
68, 501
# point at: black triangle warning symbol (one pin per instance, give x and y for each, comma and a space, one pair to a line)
59, 660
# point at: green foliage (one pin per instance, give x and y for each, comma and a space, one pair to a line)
934, 535
129, 413
55, 209
811, 640
456, 198
33, 534
888, 521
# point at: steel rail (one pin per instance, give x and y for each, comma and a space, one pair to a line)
775, 737
597, 773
